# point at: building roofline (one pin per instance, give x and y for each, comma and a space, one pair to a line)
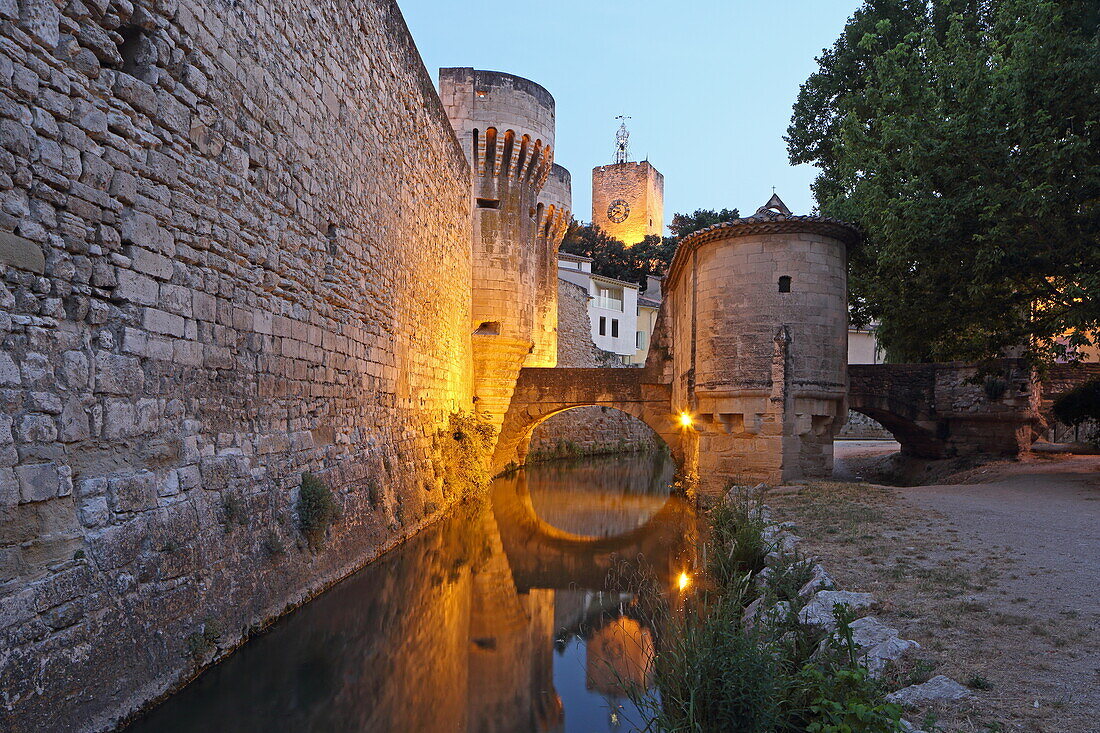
573, 257
842, 231
605, 278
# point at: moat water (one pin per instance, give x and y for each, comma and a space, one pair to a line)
517, 614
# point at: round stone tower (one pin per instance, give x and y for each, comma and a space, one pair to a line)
506, 126
759, 307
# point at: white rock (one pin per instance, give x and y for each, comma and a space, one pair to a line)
819, 581
819, 611
756, 612
877, 644
938, 689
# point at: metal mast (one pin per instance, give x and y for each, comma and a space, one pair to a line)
622, 142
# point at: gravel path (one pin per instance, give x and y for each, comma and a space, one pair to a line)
995, 571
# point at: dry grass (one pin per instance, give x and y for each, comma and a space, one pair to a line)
952, 599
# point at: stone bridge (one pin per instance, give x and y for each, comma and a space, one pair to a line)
747, 377
948, 409
542, 392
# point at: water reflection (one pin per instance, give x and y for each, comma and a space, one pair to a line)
502, 618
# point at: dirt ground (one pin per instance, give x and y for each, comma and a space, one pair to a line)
994, 570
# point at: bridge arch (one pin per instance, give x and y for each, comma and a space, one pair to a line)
541, 393
917, 436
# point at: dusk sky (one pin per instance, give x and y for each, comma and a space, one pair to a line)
708, 84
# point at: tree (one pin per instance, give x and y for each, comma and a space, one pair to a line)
964, 137
612, 258
651, 256
684, 224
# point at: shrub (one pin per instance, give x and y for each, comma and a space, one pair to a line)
233, 510
994, 388
203, 642
739, 547
1080, 405
713, 674
272, 544
714, 677
841, 700
317, 509
464, 448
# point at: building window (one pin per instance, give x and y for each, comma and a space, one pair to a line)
609, 298
488, 203
639, 340
603, 325
614, 328
785, 283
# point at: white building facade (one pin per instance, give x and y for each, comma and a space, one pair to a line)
612, 306
863, 347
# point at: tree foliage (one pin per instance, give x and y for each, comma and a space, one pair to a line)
1080, 405
684, 224
964, 137
612, 258
651, 256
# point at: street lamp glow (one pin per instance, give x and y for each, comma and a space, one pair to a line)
685, 420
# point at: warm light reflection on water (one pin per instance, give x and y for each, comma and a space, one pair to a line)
502, 618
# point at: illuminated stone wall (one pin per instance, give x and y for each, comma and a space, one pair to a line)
642, 187
235, 242
506, 126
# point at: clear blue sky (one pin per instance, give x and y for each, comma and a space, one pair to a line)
709, 84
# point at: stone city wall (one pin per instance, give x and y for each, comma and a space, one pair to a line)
235, 246
585, 430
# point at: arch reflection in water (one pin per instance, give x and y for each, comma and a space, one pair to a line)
498, 619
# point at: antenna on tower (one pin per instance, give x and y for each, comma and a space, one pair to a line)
622, 142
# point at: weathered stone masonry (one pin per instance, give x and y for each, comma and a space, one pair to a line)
218, 225
586, 429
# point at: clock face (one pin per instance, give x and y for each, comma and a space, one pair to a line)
617, 211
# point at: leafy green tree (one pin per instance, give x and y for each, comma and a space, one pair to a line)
684, 224
651, 256
964, 136
612, 258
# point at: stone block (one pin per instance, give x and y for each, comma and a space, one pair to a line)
41, 482
134, 493
136, 92
94, 512
20, 253
136, 288
9, 488
41, 19
137, 227
75, 426
819, 610
162, 322
9, 372
939, 689
150, 263
117, 374
37, 428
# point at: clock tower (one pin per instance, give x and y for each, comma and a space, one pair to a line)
628, 198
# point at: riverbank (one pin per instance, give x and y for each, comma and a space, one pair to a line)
993, 570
